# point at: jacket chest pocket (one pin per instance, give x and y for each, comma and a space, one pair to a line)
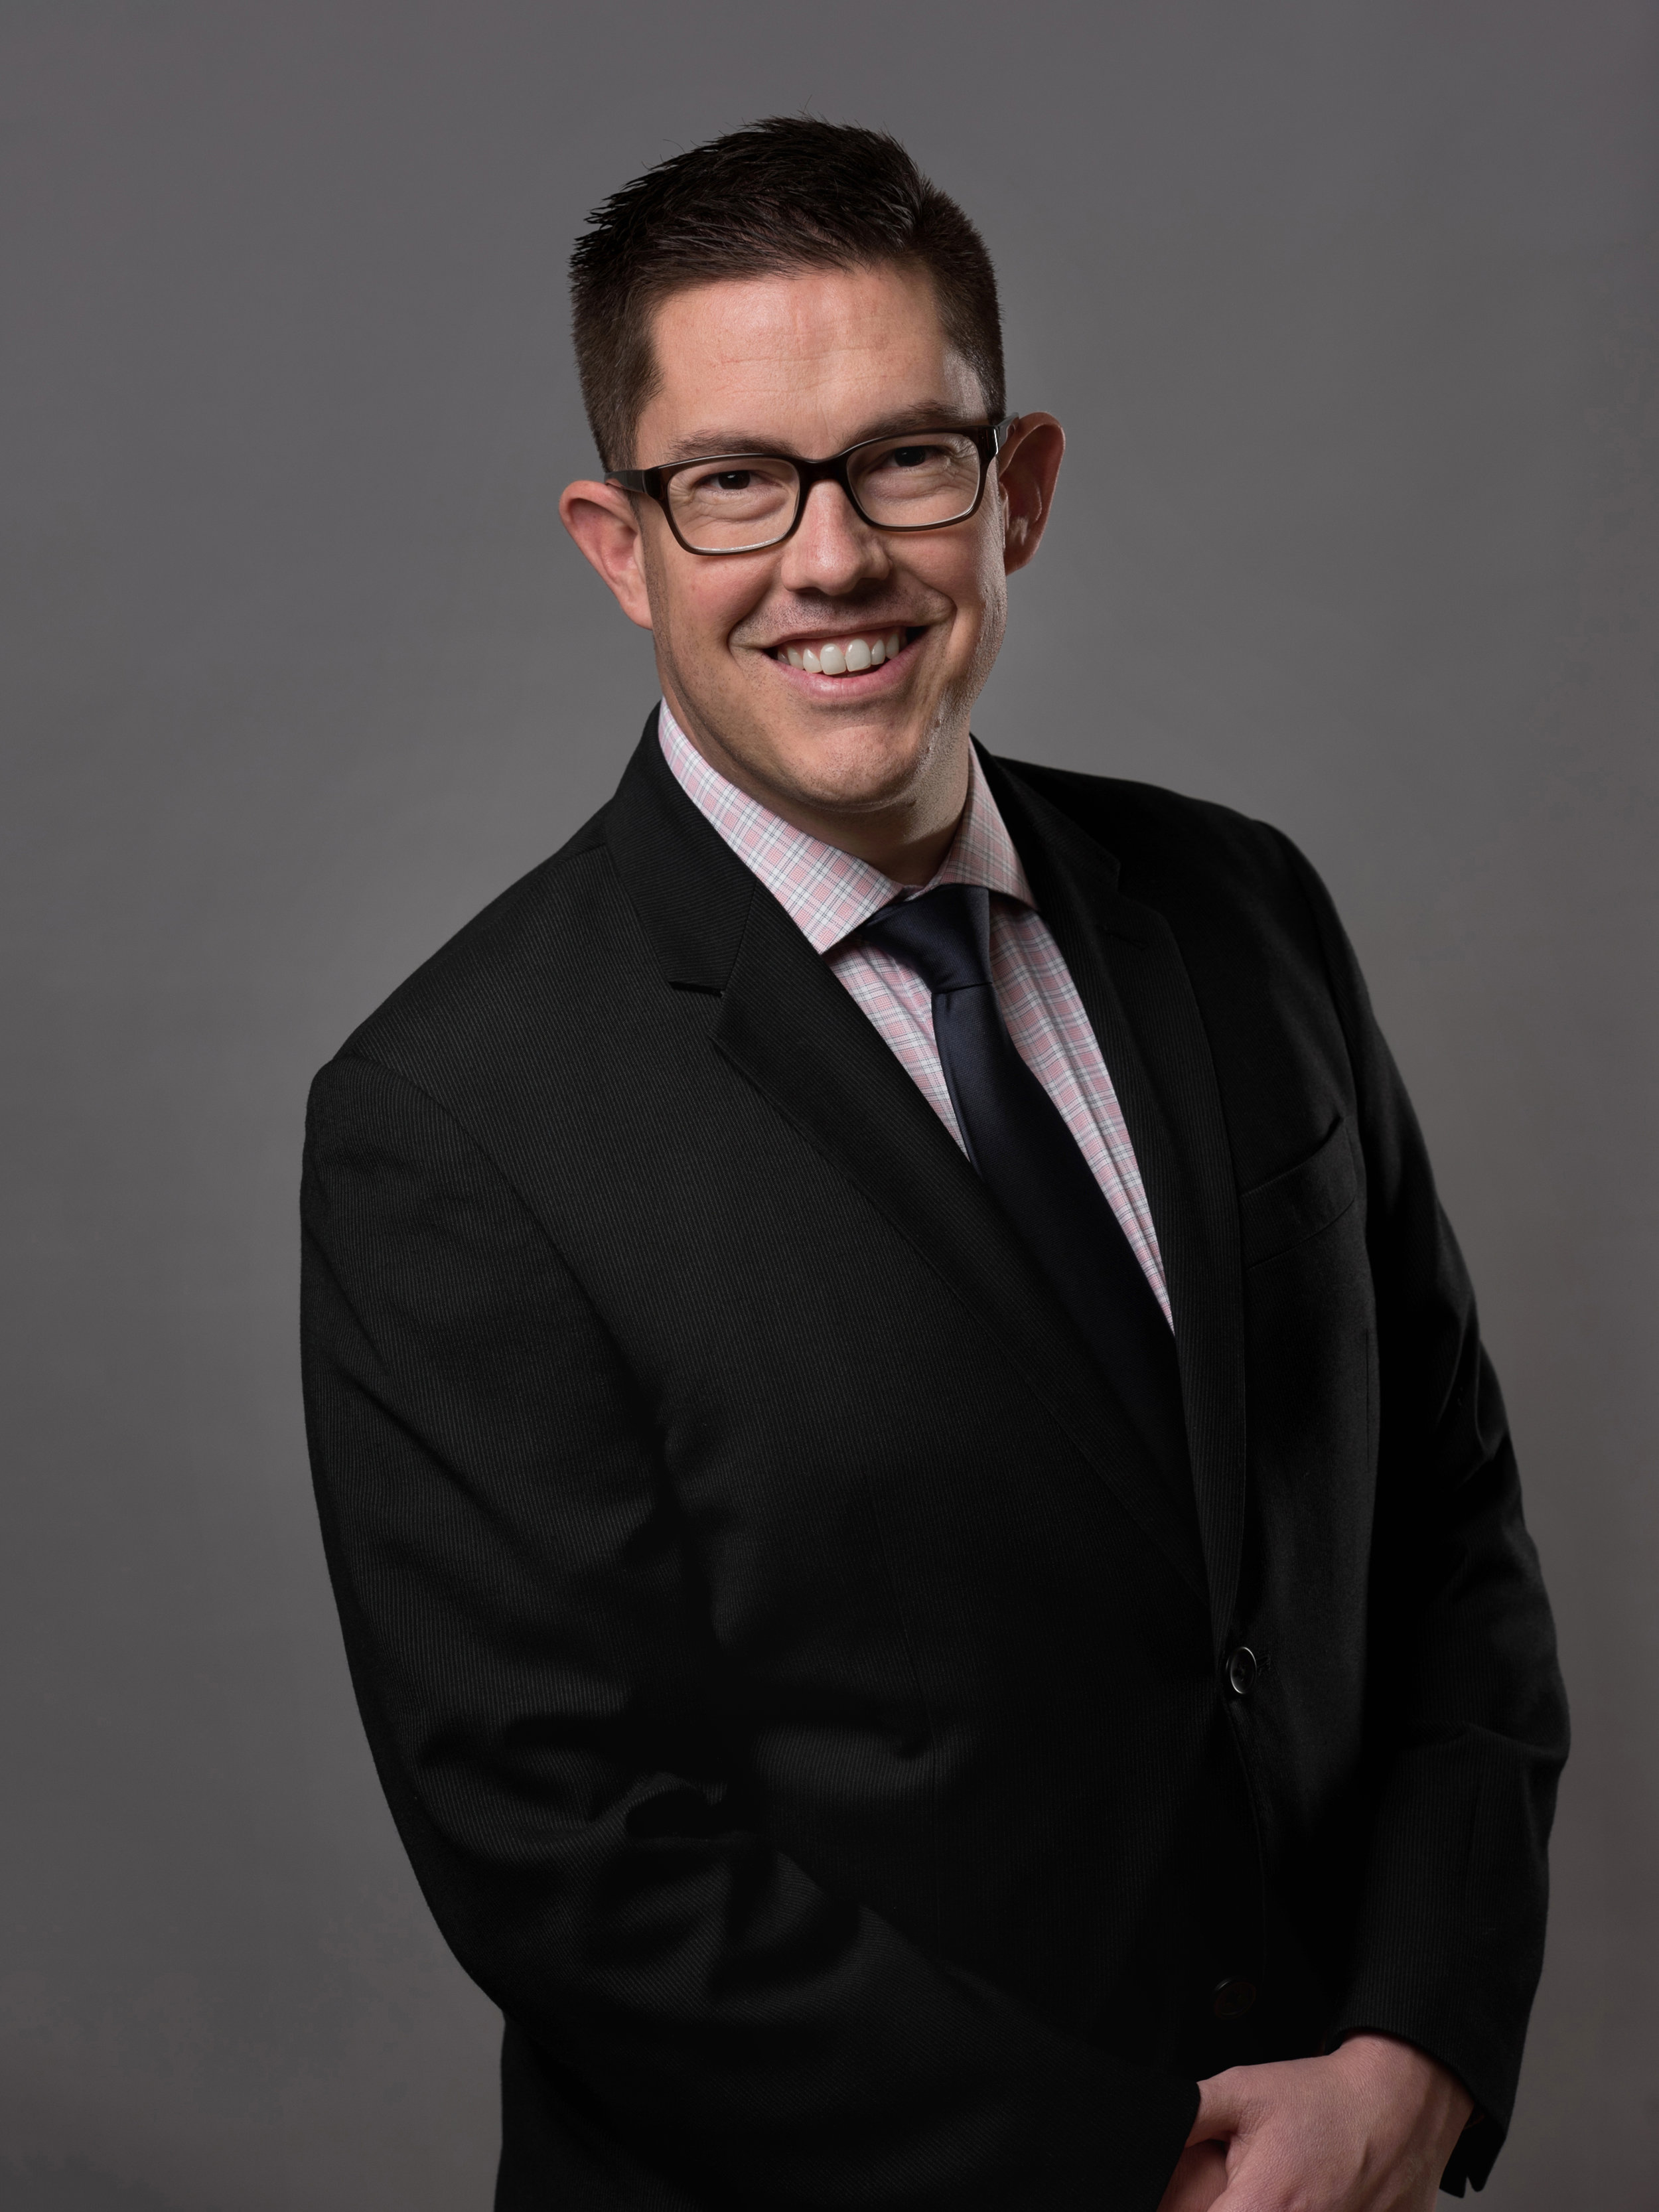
1296, 1205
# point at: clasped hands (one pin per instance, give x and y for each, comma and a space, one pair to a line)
1367, 2129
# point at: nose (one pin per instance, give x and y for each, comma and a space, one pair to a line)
834, 550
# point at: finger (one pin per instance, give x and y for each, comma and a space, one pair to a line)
1220, 2109
1197, 2181
1244, 2191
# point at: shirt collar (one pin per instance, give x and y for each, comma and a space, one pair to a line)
828, 893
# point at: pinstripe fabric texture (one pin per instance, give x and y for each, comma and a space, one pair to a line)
830, 894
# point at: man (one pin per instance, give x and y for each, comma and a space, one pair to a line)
930, 1557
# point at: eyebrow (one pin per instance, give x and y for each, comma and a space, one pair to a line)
715, 445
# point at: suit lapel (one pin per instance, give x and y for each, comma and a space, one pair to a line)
792, 1030
1130, 976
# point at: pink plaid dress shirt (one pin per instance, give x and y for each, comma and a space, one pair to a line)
830, 894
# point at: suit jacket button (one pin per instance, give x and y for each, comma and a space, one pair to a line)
1241, 1671
1233, 1999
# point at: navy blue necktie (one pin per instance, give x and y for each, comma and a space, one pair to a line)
1018, 1140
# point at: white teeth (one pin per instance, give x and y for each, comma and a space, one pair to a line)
849, 660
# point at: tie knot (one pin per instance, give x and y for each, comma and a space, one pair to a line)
945, 936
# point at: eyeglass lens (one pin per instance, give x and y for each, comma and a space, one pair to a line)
747, 501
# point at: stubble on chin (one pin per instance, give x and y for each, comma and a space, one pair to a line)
793, 760
828, 765
793, 763
866, 772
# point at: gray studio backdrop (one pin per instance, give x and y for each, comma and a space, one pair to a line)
1353, 313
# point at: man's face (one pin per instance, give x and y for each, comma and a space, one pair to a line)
808, 364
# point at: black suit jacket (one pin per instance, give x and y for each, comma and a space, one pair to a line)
804, 1703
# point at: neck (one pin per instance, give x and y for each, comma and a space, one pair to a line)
906, 837
907, 849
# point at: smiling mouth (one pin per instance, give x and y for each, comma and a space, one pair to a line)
849, 655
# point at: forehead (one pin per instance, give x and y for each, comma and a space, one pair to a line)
804, 360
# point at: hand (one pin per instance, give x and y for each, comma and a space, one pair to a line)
1198, 2180
1367, 2129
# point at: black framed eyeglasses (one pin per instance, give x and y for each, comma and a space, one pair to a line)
922, 479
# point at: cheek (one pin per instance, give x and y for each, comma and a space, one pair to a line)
697, 604
981, 591
993, 621
988, 609
712, 602
978, 582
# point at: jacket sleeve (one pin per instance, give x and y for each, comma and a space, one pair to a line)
555, 1731
1467, 1719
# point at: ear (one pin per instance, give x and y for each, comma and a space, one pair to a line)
1026, 469
601, 519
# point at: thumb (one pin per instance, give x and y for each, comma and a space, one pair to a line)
1222, 2107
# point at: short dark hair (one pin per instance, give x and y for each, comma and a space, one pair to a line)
791, 193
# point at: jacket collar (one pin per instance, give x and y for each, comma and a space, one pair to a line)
788, 1026
690, 891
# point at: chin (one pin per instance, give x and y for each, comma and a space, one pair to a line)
860, 768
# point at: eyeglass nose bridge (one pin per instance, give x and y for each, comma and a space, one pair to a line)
809, 475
